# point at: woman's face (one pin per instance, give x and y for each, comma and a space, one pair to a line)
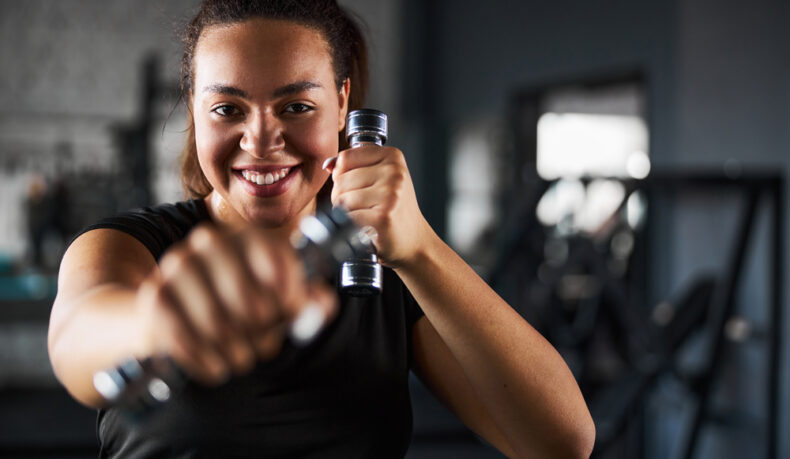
267, 112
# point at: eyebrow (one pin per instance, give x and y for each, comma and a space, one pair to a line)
292, 88
219, 88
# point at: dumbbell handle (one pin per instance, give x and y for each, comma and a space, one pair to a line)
361, 275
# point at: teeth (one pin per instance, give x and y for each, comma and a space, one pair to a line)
267, 178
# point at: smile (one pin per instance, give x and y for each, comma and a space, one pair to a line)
267, 178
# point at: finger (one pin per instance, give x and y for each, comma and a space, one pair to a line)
201, 362
361, 199
186, 274
183, 273
230, 276
259, 266
368, 155
355, 179
232, 287
279, 272
268, 345
172, 335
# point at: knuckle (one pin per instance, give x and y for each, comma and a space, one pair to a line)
398, 195
238, 303
342, 161
398, 155
176, 260
395, 181
343, 201
204, 237
258, 258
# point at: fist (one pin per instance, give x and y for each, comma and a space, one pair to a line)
374, 185
222, 300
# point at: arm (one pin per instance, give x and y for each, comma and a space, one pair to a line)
102, 267
520, 393
216, 302
505, 381
438, 369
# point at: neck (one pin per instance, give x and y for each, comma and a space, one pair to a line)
225, 215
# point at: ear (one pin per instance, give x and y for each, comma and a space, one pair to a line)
342, 103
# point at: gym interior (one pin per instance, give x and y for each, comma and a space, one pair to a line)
615, 170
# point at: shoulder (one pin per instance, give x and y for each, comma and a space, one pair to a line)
156, 227
181, 215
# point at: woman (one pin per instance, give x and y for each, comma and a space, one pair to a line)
268, 85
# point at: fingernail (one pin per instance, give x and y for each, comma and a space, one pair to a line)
329, 164
308, 324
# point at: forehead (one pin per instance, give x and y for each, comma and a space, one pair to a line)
260, 50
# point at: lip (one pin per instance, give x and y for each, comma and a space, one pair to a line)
266, 191
264, 169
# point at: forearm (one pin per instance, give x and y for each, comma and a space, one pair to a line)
519, 377
99, 331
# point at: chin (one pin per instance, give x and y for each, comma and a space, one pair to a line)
269, 218
266, 220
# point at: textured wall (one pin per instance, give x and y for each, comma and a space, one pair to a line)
81, 58
71, 70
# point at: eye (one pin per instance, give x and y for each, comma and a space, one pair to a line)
226, 110
297, 108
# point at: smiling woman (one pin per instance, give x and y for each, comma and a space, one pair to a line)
213, 283
257, 114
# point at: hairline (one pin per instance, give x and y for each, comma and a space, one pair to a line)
338, 79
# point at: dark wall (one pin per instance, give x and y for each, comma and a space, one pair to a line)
470, 57
718, 76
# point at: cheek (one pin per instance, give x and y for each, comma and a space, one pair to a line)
319, 141
213, 148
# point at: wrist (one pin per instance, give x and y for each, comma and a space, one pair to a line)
423, 256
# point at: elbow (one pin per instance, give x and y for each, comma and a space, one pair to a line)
579, 432
573, 441
577, 443
80, 388
579, 438
583, 439
63, 365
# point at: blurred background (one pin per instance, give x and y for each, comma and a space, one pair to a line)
615, 169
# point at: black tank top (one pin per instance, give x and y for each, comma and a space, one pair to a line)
344, 395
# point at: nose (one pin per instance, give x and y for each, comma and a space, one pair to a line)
263, 135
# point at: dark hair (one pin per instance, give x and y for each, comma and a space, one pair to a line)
342, 32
